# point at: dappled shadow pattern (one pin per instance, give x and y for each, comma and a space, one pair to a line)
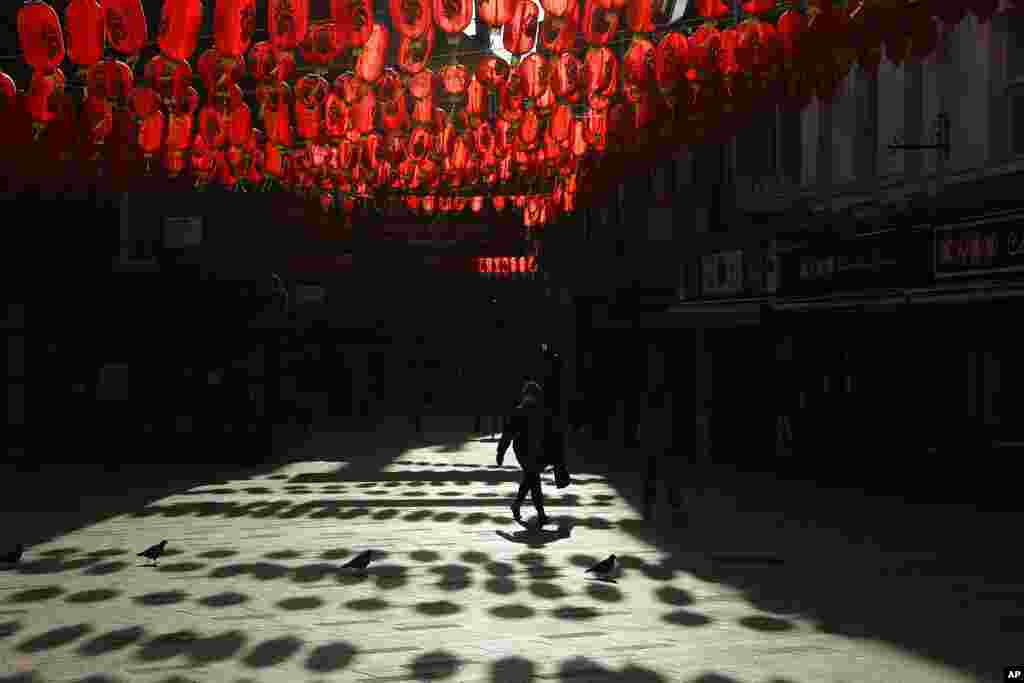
264, 571
583, 669
425, 556
218, 554
95, 595
9, 628
226, 599
106, 568
439, 608
330, 657
765, 623
684, 618
295, 604
160, 599
547, 591
604, 592
112, 641
272, 652
435, 665
515, 669
54, 638
180, 567
35, 595
367, 604
575, 613
677, 597
517, 611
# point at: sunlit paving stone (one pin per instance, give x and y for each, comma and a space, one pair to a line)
253, 590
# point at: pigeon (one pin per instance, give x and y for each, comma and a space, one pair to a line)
360, 561
154, 552
604, 567
14, 556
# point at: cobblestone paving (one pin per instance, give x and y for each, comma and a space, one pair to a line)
251, 590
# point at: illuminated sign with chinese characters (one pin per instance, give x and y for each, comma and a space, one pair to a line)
976, 250
505, 266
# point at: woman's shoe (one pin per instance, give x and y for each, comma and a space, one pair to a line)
542, 520
515, 512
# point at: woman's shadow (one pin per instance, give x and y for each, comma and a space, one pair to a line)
538, 537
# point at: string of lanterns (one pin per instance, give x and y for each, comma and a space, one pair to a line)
591, 91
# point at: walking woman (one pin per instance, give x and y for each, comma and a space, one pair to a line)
525, 431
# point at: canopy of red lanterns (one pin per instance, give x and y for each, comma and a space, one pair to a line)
351, 110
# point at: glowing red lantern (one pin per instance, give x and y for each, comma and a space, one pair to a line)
364, 113
638, 63
370, 64
322, 44
520, 34
410, 17
758, 7
533, 75
492, 71
558, 34
151, 133
414, 53
453, 16
354, 19
711, 9
454, 78
599, 24
670, 61
84, 32
287, 23
234, 24
495, 13
40, 36
178, 35
640, 16
791, 28
126, 27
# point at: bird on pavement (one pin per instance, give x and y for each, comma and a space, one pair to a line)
14, 556
153, 552
604, 567
360, 561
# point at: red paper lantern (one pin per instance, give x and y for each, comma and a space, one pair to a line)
234, 24
454, 79
126, 28
40, 36
322, 44
151, 133
310, 92
354, 21
178, 35
287, 23
791, 28
110, 80
43, 91
758, 7
495, 13
558, 34
567, 77
599, 24
533, 75
414, 53
638, 63
370, 64
602, 71
84, 30
411, 17
711, 9
640, 15
453, 16
520, 34
179, 131
670, 61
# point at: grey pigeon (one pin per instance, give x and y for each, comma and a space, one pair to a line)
604, 567
153, 552
360, 561
14, 556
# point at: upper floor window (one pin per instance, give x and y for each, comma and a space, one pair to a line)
1015, 80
